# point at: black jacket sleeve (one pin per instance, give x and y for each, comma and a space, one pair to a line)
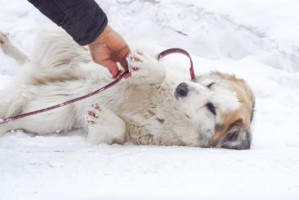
84, 20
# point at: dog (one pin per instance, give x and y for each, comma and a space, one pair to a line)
157, 105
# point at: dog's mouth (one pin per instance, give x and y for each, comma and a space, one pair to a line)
181, 90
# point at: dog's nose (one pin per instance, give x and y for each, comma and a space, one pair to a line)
182, 89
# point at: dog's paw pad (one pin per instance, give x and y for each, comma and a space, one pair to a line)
136, 60
93, 114
139, 65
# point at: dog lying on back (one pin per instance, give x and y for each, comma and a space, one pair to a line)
157, 105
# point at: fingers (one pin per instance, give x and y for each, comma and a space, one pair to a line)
112, 66
122, 56
108, 49
124, 63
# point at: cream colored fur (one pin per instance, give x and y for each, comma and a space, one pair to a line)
142, 109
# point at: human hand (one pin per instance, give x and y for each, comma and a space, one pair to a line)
108, 49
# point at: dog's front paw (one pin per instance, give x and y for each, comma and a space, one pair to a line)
104, 126
145, 69
136, 61
94, 115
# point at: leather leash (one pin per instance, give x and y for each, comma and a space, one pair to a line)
120, 77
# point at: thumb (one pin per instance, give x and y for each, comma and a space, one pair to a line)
124, 63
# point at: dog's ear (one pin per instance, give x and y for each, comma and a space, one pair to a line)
237, 136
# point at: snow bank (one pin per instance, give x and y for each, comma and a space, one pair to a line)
215, 29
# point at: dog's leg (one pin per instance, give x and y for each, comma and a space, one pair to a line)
14, 96
145, 69
11, 50
13, 99
104, 126
56, 49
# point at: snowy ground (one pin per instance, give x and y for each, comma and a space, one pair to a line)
257, 40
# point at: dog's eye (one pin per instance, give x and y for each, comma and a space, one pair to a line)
211, 108
210, 85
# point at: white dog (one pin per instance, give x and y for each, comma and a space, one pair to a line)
157, 105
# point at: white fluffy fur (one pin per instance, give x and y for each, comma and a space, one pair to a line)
141, 109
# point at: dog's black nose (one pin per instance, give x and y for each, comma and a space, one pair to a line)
182, 89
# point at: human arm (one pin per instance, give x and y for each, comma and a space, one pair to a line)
86, 22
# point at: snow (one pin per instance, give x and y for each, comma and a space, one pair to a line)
256, 40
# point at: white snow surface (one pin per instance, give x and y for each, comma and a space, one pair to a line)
257, 40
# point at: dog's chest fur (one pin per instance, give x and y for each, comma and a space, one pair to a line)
150, 112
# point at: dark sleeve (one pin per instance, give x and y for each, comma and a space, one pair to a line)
84, 20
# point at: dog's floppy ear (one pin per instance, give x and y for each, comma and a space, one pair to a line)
237, 136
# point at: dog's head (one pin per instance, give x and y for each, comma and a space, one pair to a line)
221, 108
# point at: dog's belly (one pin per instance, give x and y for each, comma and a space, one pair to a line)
55, 121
